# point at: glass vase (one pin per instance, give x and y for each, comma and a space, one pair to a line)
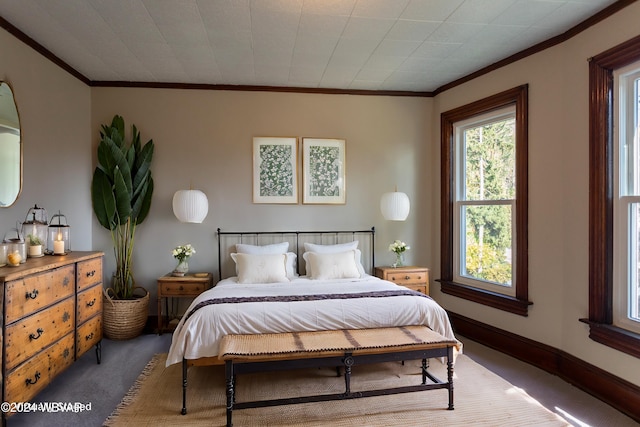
399, 262
182, 268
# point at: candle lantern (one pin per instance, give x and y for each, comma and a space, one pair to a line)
59, 235
34, 230
15, 248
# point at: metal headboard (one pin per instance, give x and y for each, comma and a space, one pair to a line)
296, 240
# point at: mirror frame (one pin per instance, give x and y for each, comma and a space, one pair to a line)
13, 95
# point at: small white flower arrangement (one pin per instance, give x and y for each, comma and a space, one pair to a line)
183, 252
399, 247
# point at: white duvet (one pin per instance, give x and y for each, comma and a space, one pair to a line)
200, 334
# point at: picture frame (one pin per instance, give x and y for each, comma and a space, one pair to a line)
324, 171
275, 170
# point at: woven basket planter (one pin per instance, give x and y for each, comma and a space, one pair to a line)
124, 319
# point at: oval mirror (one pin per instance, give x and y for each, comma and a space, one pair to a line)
10, 148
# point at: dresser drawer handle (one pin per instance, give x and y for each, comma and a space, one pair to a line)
181, 288
407, 277
29, 381
34, 336
89, 337
91, 273
32, 295
91, 303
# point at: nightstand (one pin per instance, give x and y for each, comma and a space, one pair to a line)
416, 278
188, 286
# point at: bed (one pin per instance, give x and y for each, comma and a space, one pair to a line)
276, 282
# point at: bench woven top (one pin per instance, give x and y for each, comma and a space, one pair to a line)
294, 345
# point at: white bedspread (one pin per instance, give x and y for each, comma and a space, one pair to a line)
200, 334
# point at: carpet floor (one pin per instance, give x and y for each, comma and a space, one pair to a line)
481, 398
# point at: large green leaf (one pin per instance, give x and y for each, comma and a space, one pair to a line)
122, 197
118, 124
104, 204
142, 186
137, 202
135, 139
120, 162
143, 166
146, 202
106, 161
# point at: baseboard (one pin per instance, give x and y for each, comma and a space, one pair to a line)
615, 391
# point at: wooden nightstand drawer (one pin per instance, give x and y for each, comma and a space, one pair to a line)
407, 277
416, 278
182, 289
418, 288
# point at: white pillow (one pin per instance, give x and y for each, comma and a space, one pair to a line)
327, 249
276, 248
261, 268
338, 265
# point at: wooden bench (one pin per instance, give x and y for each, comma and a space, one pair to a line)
342, 348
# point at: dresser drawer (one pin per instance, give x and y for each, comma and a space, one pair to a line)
169, 289
407, 277
26, 337
28, 379
25, 296
89, 334
89, 273
89, 303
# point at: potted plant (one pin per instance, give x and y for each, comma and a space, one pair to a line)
35, 245
121, 192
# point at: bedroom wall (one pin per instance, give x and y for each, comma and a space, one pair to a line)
55, 116
203, 139
558, 192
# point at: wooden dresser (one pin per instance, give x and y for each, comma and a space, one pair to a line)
52, 314
416, 278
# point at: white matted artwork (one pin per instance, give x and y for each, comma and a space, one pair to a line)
323, 167
275, 175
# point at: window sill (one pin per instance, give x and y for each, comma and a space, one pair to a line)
488, 298
614, 337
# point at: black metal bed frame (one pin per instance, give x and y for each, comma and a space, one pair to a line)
299, 239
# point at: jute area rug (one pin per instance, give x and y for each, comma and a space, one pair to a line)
481, 398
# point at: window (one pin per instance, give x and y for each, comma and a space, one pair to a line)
614, 202
627, 202
484, 201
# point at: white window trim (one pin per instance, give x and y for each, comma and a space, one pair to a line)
623, 248
458, 205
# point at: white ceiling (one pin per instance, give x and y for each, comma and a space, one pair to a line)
388, 45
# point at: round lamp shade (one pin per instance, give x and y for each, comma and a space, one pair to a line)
190, 205
395, 206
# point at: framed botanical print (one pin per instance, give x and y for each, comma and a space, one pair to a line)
323, 167
275, 174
